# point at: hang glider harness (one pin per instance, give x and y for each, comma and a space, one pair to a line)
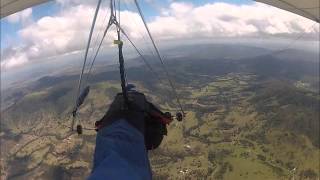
115, 20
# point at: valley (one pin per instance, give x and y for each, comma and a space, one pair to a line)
242, 122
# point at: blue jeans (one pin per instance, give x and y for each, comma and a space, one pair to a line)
120, 154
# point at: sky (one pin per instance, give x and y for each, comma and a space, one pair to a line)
61, 27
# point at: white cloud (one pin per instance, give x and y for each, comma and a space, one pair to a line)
21, 17
67, 31
57, 35
14, 61
227, 20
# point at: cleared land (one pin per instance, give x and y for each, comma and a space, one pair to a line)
240, 124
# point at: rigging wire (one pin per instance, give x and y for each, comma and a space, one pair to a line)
98, 49
122, 69
159, 56
87, 47
139, 53
92, 57
71, 128
110, 22
142, 35
142, 56
144, 60
292, 42
84, 63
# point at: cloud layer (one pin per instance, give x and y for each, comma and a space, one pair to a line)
228, 20
68, 30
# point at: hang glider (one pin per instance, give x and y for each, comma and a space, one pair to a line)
9, 7
308, 8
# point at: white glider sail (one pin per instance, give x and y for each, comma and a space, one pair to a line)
12, 6
306, 8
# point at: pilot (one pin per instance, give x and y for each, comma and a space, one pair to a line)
125, 134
